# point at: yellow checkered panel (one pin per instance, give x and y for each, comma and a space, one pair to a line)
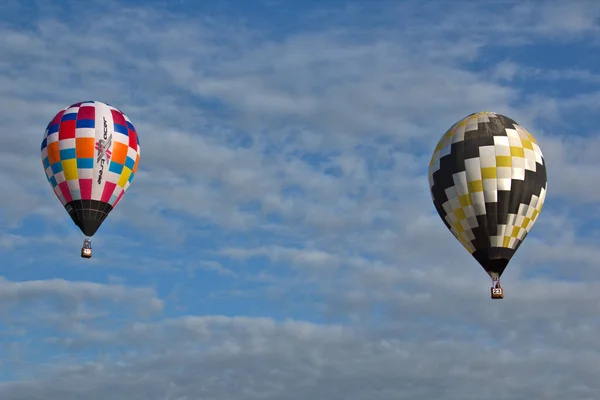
488, 183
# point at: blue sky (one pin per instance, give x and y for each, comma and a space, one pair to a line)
279, 240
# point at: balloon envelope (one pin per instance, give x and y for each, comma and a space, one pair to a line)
90, 153
488, 183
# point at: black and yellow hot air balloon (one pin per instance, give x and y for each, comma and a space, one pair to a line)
488, 183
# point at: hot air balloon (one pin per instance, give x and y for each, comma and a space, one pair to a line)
488, 183
90, 153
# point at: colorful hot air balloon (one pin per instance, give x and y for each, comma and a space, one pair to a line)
488, 183
90, 153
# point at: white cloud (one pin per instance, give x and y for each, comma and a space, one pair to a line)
248, 358
15, 294
339, 92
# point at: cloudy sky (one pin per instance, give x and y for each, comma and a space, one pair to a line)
279, 241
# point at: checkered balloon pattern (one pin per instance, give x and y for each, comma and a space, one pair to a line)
488, 183
90, 154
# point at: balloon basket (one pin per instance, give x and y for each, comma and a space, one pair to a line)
86, 253
497, 293
86, 250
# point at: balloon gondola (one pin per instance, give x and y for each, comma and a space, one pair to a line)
90, 154
86, 250
487, 178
